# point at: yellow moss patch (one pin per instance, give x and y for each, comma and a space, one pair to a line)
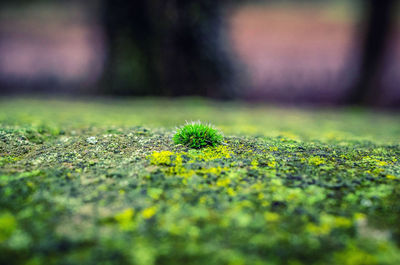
161, 158
212, 153
316, 160
124, 218
327, 223
149, 212
254, 164
390, 176
223, 182
271, 217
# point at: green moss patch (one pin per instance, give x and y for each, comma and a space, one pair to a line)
106, 184
197, 135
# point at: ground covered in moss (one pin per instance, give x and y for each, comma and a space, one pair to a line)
102, 182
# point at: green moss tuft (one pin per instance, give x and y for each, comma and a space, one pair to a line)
197, 135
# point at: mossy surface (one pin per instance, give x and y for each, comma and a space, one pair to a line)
103, 183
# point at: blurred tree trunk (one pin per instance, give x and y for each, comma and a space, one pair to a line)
166, 48
379, 23
130, 47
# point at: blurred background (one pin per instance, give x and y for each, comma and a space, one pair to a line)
330, 52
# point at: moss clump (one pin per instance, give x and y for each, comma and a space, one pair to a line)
197, 135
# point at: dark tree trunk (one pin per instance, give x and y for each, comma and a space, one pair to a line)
167, 48
130, 41
379, 22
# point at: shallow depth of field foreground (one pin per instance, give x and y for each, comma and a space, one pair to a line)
103, 183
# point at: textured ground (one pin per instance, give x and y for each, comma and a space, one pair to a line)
102, 183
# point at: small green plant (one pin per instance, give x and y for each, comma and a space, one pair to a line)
197, 135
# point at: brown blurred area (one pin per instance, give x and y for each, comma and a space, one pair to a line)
308, 53
292, 53
50, 47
